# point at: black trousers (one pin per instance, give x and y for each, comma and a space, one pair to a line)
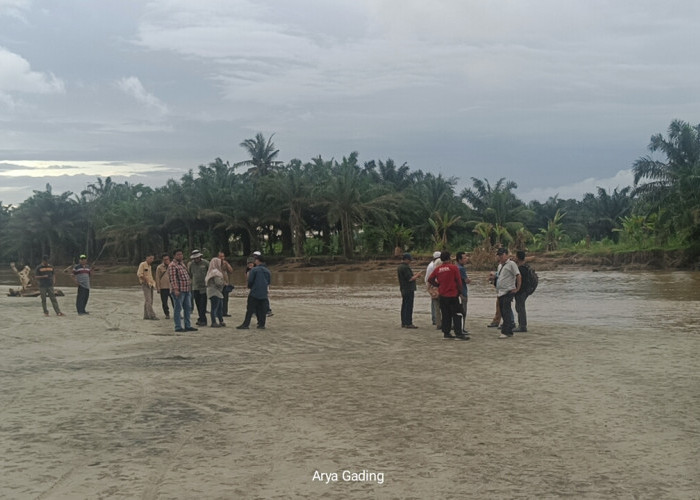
451, 311
407, 298
520, 299
258, 307
505, 303
200, 301
164, 297
82, 299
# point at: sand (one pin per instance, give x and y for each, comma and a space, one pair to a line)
333, 400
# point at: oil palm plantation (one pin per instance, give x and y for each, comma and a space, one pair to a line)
672, 187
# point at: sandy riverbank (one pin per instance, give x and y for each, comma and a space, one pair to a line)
111, 406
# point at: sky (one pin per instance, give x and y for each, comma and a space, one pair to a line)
560, 96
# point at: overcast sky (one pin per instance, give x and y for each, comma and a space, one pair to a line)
559, 96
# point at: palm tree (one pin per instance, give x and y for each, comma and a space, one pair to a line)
350, 200
262, 156
497, 205
290, 190
673, 187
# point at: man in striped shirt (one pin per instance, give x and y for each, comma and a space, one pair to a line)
181, 291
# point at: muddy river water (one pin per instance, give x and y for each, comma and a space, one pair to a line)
638, 300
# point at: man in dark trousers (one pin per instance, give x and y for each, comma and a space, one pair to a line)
449, 282
407, 285
259, 284
521, 295
81, 276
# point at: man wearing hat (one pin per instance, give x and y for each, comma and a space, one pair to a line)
435, 313
508, 281
81, 276
407, 285
198, 268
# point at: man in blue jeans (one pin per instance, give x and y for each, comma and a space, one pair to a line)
181, 291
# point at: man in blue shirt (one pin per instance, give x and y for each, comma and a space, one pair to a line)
258, 284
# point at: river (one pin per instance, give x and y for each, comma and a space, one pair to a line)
650, 300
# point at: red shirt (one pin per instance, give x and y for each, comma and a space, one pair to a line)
447, 279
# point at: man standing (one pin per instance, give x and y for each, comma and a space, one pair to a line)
521, 295
163, 283
462, 261
227, 271
258, 283
81, 276
147, 285
446, 277
507, 285
435, 314
47, 279
181, 290
198, 268
407, 285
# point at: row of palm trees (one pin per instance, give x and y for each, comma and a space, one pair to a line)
344, 207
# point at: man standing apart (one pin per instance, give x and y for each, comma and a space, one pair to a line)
462, 261
163, 283
507, 285
198, 268
47, 279
446, 277
258, 283
148, 284
181, 290
81, 276
407, 285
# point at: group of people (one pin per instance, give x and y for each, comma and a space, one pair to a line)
201, 284
447, 282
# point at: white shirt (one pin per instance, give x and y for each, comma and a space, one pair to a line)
506, 277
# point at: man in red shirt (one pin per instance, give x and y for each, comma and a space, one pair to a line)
449, 282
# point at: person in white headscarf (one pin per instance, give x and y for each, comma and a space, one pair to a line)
214, 280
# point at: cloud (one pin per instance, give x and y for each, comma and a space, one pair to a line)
14, 8
132, 86
53, 168
577, 190
16, 75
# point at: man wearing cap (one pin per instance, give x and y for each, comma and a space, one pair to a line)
198, 268
449, 282
508, 281
435, 313
81, 276
148, 284
407, 285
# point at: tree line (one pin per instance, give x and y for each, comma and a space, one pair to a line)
330, 207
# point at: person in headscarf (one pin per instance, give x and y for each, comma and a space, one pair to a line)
214, 280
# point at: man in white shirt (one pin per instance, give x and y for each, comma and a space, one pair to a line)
508, 282
435, 312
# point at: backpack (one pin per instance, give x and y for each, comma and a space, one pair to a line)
531, 280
